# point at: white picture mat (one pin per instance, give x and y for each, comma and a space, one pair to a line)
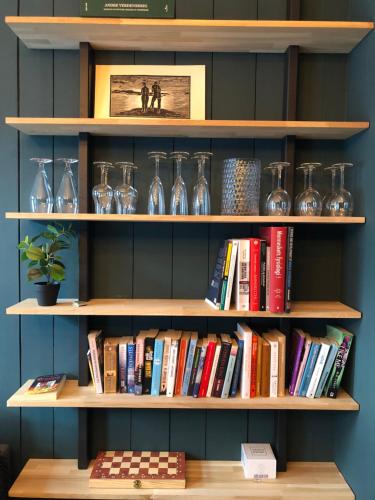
103, 85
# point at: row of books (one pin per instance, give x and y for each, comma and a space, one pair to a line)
254, 273
177, 363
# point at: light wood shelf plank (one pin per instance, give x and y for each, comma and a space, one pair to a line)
178, 307
189, 35
212, 219
212, 129
74, 396
205, 479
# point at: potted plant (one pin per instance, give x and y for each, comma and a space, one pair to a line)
44, 261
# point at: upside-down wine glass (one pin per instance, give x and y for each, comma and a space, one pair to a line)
341, 202
103, 193
41, 199
126, 195
305, 175
179, 199
278, 201
271, 168
201, 193
66, 198
156, 200
309, 201
327, 208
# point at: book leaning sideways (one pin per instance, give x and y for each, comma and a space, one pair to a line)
128, 8
47, 387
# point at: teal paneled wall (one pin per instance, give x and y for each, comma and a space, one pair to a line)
355, 434
162, 260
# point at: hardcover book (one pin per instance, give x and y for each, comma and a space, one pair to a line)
254, 304
289, 269
202, 359
189, 363
131, 367
246, 334
213, 297
122, 364
210, 355
242, 275
224, 285
305, 355
95, 339
226, 346
263, 276
298, 342
266, 366
172, 362
181, 363
214, 367
230, 369
194, 368
156, 369
110, 365
140, 359
138, 469
259, 366
254, 365
274, 363
325, 345
47, 387
310, 365
344, 340
232, 268
149, 361
130, 8
237, 367
327, 369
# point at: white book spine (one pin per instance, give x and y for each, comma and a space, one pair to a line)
268, 277
95, 364
274, 368
317, 373
213, 370
232, 268
245, 384
243, 275
172, 367
122, 358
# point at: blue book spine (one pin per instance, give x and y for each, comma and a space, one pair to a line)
237, 369
326, 370
131, 368
189, 366
156, 369
309, 369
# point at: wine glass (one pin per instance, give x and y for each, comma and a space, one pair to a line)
126, 195
103, 193
201, 193
296, 199
41, 199
156, 200
340, 204
66, 198
278, 201
331, 194
179, 199
309, 202
272, 169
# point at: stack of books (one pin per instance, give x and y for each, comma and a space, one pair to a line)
254, 273
177, 363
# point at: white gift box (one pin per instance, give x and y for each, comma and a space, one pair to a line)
258, 461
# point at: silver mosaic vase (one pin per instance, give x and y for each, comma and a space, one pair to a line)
241, 187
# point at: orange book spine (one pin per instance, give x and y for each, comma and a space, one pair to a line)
181, 367
254, 360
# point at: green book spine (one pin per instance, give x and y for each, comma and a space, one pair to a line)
128, 8
344, 340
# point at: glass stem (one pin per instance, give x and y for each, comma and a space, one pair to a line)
333, 180
305, 175
273, 179
104, 176
157, 165
342, 178
280, 170
310, 177
128, 176
179, 165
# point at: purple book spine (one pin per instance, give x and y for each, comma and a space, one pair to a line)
297, 361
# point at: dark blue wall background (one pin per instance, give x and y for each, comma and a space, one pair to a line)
166, 260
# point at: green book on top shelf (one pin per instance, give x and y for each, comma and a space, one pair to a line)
128, 8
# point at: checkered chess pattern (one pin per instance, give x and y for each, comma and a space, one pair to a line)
139, 465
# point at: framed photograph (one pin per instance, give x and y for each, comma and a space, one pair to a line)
150, 92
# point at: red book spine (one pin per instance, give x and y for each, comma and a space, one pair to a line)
276, 238
254, 359
181, 367
254, 304
210, 354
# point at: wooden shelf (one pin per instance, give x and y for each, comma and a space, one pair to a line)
178, 307
74, 396
188, 35
205, 479
211, 219
212, 129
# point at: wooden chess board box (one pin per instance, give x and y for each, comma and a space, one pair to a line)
139, 469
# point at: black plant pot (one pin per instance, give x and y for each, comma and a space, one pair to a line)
46, 293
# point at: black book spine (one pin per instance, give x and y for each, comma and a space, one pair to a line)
216, 283
263, 275
194, 370
289, 269
221, 369
149, 360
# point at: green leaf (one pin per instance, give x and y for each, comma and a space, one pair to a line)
53, 230
32, 263
34, 253
22, 245
24, 257
34, 274
56, 246
48, 235
57, 263
57, 273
